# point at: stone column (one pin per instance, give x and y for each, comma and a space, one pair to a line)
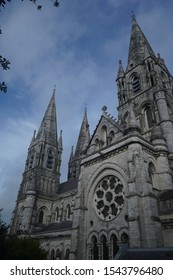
165, 122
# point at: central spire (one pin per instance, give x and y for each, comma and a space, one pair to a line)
139, 48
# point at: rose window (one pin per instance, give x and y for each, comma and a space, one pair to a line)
109, 198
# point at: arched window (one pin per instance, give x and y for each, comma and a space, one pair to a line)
104, 134
149, 117
124, 238
135, 84
58, 254
67, 212
94, 249
115, 247
97, 142
57, 214
111, 136
151, 172
149, 65
50, 159
105, 250
52, 255
40, 217
67, 254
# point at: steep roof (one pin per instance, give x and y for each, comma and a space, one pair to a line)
64, 225
68, 186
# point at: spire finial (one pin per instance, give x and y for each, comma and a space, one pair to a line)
133, 17
54, 90
85, 107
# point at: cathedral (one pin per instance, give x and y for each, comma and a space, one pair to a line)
119, 192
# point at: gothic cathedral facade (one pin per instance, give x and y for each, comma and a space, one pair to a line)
120, 180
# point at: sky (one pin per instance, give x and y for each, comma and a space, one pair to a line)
76, 47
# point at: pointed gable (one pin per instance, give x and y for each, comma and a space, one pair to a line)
106, 133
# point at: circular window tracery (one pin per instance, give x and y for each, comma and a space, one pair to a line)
109, 197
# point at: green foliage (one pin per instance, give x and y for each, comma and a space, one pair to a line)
3, 234
36, 2
26, 248
18, 248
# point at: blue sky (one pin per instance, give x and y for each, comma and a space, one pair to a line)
77, 47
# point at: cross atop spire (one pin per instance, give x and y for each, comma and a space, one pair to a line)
133, 15
54, 90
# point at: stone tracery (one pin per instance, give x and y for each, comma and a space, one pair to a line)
108, 198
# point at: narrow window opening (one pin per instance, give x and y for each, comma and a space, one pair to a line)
41, 216
105, 251
50, 159
149, 117
149, 66
152, 81
135, 85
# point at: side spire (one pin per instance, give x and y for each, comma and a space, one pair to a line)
33, 139
120, 70
82, 143
71, 155
84, 135
49, 123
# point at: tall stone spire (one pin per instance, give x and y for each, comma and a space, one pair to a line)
84, 136
82, 143
49, 123
42, 172
139, 48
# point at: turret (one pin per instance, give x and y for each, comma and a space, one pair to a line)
121, 84
82, 143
